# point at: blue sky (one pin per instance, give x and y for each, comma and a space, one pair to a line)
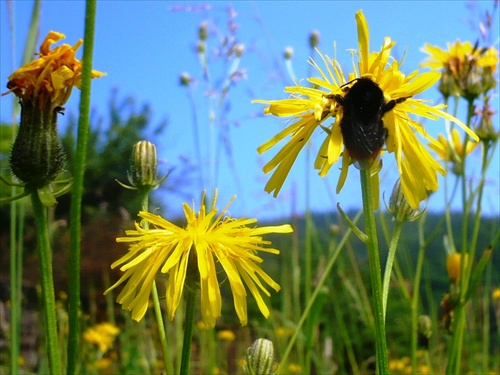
144, 47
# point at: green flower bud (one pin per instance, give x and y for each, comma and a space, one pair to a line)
314, 39
399, 206
203, 31
288, 53
260, 358
239, 49
144, 166
485, 129
424, 329
185, 79
37, 156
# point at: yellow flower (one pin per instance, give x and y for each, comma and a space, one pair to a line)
102, 334
453, 266
495, 295
312, 107
452, 150
51, 76
193, 255
226, 335
468, 71
457, 55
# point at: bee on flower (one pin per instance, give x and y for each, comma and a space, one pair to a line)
362, 114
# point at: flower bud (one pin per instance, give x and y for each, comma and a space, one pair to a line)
485, 129
203, 31
37, 156
260, 358
314, 39
239, 49
144, 166
288, 53
424, 330
399, 206
185, 79
454, 265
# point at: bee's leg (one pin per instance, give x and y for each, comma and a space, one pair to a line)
338, 98
391, 104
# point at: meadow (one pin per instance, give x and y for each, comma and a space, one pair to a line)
97, 278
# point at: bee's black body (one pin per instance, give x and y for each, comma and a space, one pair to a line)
361, 125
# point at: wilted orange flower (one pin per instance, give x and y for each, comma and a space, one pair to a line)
52, 75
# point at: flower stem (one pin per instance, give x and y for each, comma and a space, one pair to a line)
310, 303
77, 193
375, 273
188, 330
390, 261
156, 300
161, 330
48, 296
416, 294
16, 276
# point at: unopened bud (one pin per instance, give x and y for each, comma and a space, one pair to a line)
185, 79
37, 156
288, 53
260, 358
144, 166
239, 49
424, 330
314, 39
399, 206
203, 31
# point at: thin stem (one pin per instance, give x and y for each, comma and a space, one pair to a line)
48, 296
390, 261
188, 330
455, 356
161, 330
416, 294
77, 193
375, 273
16, 270
310, 302
156, 302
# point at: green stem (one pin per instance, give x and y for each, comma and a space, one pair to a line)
375, 273
156, 302
188, 330
310, 302
48, 296
416, 294
455, 356
161, 330
16, 271
77, 193
388, 266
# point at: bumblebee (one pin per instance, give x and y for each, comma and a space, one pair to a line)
361, 125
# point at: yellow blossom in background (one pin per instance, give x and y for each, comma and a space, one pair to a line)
316, 107
102, 334
453, 266
468, 70
294, 368
495, 295
195, 255
51, 76
457, 55
226, 335
451, 149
